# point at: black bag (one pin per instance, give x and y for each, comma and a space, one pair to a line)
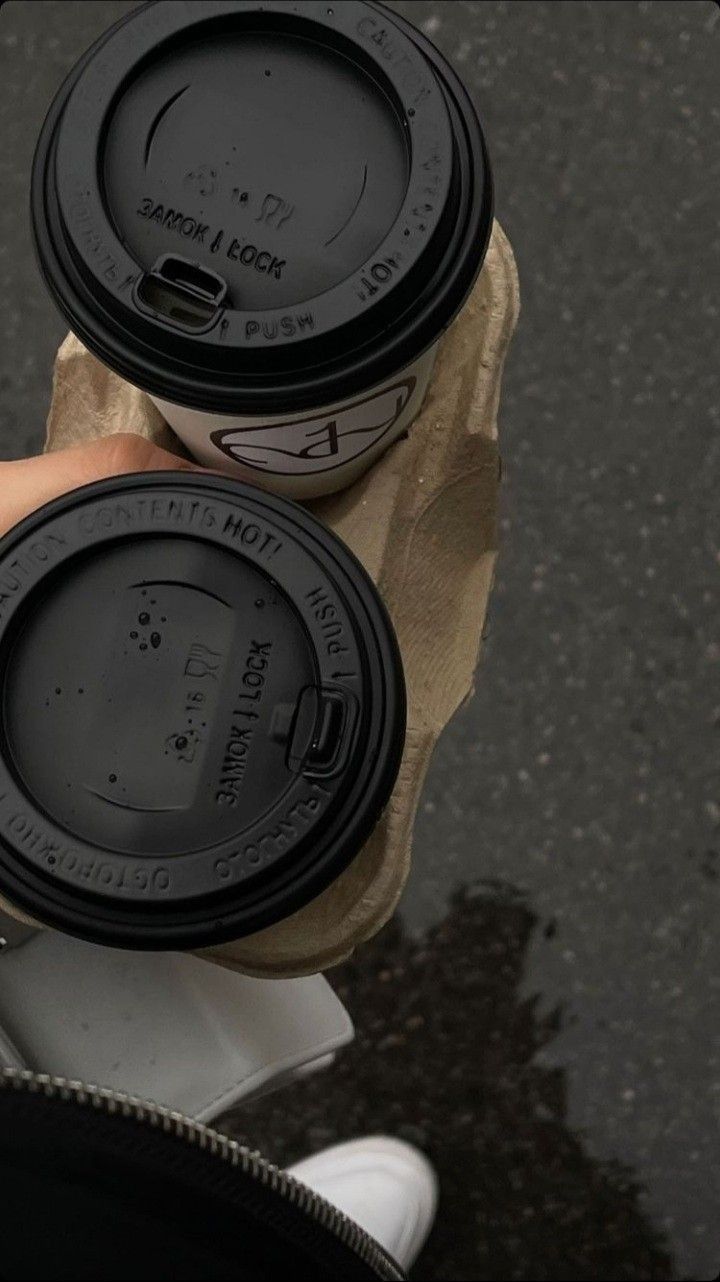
100, 1185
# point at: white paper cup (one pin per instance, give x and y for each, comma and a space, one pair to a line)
316, 453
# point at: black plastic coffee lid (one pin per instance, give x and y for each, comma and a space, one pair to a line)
202, 710
250, 207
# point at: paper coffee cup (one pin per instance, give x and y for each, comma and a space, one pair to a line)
319, 452
202, 711
265, 216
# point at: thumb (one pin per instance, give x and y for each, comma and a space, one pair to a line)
27, 484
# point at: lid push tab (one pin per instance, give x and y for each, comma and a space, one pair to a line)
322, 732
181, 293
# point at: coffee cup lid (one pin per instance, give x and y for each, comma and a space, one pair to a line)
253, 207
202, 710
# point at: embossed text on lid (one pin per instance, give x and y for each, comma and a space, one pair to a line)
249, 207
202, 710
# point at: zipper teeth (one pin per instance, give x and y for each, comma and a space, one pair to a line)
218, 1145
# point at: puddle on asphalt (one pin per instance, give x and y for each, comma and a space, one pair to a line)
599, 1020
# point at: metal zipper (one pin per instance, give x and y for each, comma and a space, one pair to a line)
219, 1146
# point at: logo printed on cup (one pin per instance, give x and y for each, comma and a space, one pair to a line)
320, 443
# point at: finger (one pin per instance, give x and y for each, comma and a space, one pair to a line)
27, 484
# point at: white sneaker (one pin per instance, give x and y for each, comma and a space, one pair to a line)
386, 1186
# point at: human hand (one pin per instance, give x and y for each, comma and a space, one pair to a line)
29, 483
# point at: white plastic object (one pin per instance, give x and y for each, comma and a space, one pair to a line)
166, 1027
